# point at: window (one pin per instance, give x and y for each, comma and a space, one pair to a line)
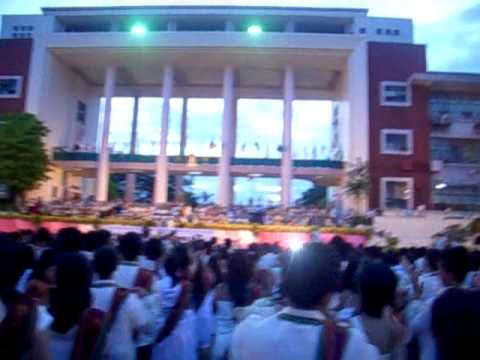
389, 32
362, 30
10, 86
396, 142
379, 31
394, 93
396, 32
81, 112
396, 193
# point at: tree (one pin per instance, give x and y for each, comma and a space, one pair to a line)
315, 196
358, 182
23, 158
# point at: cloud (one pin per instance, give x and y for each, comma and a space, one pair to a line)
453, 44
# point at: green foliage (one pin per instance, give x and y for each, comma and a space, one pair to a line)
315, 196
358, 181
113, 191
23, 158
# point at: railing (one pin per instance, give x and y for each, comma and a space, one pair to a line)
60, 155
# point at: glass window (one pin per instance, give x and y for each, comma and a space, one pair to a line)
397, 194
311, 129
396, 141
259, 128
120, 124
204, 127
10, 86
394, 93
149, 123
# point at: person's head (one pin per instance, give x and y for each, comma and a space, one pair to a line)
44, 267
475, 261
10, 269
392, 258
239, 274
42, 237
265, 281
431, 259
69, 240
130, 246
203, 281
312, 276
72, 295
26, 256
377, 284
228, 243
154, 250
455, 319
177, 264
454, 265
105, 262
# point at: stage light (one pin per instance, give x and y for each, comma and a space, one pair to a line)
294, 245
138, 29
440, 186
254, 30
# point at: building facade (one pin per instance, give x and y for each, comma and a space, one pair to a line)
68, 65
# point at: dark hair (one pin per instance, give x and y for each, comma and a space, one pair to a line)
349, 276
47, 260
455, 261
96, 239
199, 291
238, 277
130, 246
432, 257
377, 284
455, 319
228, 243
392, 258
10, 269
214, 264
26, 257
42, 237
154, 249
105, 262
72, 294
313, 273
475, 260
177, 260
69, 240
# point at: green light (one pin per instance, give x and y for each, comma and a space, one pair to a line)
254, 30
138, 29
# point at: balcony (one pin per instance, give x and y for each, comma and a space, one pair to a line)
64, 156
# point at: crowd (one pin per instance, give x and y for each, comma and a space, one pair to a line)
170, 213
89, 295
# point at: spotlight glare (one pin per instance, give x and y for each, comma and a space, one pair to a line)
138, 29
294, 245
440, 186
254, 30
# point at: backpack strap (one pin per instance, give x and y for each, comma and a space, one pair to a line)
333, 340
118, 298
144, 279
94, 327
88, 332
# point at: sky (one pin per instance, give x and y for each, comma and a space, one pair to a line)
449, 28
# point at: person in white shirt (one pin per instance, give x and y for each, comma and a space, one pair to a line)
454, 265
131, 318
430, 284
130, 245
301, 330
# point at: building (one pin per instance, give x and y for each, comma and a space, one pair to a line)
68, 65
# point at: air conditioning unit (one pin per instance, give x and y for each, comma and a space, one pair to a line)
436, 165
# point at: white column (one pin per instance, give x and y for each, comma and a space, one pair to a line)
224, 178
161, 169
103, 157
286, 171
131, 177
183, 143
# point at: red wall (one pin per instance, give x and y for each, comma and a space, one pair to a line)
15, 60
396, 62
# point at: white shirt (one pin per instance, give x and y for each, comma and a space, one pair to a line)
421, 325
60, 346
131, 317
126, 274
431, 285
275, 338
